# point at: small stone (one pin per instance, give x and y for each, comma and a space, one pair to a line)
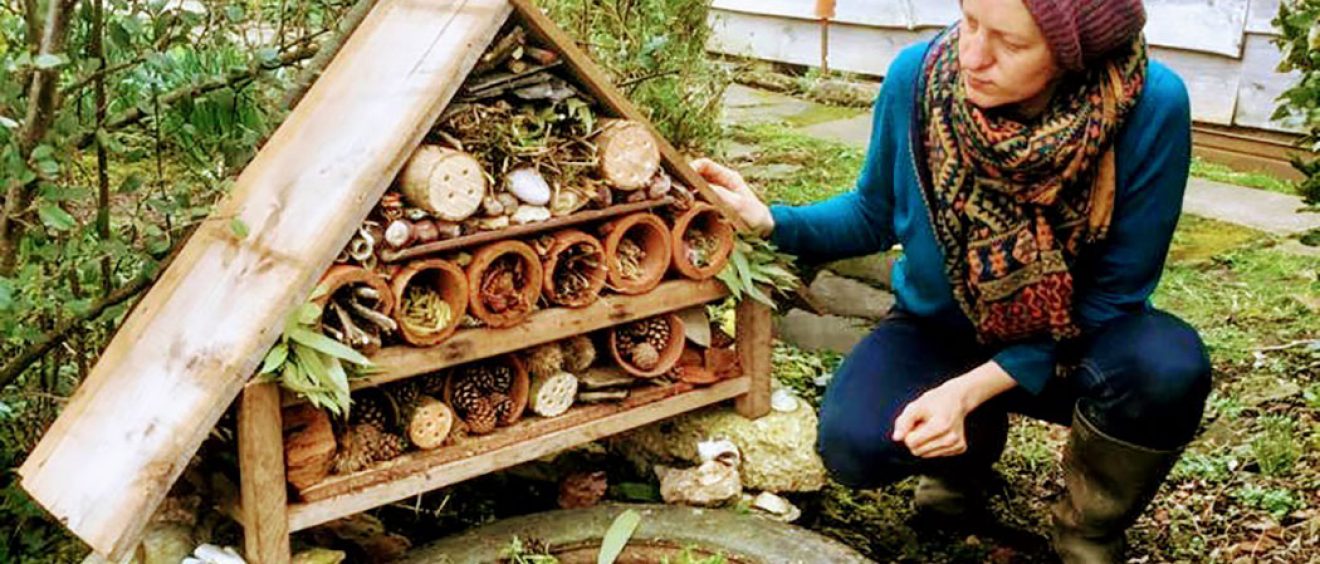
850, 298
822, 332
778, 507
530, 214
875, 270
528, 185
710, 484
783, 401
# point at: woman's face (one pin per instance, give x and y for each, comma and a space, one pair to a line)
1003, 55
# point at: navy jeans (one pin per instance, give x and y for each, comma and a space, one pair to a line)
1142, 378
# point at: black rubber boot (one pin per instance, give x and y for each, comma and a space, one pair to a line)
1110, 482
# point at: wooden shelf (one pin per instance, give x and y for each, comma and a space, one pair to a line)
544, 326
517, 231
532, 438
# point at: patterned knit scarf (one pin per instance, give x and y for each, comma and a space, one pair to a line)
1013, 203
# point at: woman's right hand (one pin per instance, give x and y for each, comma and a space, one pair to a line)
735, 192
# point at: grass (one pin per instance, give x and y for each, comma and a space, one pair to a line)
812, 169
1252, 179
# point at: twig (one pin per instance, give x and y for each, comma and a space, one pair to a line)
327, 52
1286, 346
640, 79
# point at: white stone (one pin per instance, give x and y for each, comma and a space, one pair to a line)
530, 214
528, 185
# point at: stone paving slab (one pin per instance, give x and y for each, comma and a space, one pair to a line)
850, 298
809, 331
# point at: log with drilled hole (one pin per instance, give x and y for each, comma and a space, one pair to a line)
444, 182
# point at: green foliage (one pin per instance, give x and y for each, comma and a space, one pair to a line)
816, 169
1278, 502
311, 364
655, 50
1276, 448
617, 536
1298, 23
1251, 179
755, 262
803, 371
520, 553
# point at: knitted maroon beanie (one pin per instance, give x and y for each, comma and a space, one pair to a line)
1081, 31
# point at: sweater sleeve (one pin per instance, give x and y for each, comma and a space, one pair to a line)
858, 222
1118, 277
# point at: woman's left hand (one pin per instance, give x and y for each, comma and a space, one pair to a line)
932, 425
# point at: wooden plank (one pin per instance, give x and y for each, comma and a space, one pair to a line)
185, 352
395, 363
1203, 26
419, 474
261, 469
1212, 82
1260, 14
1261, 86
517, 231
753, 329
599, 87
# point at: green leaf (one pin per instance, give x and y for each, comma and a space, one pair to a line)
239, 228
327, 345
6, 294
55, 217
617, 536
47, 61
308, 313
275, 358
8, 123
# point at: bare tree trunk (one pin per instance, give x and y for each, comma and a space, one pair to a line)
96, 45
41, 104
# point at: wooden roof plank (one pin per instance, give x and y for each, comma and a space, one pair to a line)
187, 349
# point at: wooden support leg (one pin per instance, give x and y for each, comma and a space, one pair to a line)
753, 332
261, 467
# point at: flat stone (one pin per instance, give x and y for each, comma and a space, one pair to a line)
875, 270
1263, 210
1262, 389
743, 105
850, 298
809, 331
774, 171
778, 450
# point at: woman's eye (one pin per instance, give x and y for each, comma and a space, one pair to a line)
1013, 48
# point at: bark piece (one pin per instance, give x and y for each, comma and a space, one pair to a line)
309, 445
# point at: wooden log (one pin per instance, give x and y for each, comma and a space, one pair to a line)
753, 328
627, 153
445, 182
261, 470
189, 346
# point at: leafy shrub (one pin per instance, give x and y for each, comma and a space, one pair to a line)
1298, 23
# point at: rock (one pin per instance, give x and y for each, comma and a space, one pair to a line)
530, 214
774, 171
166, 543
809, 331
1262, 389
528, 185
778, 450
776, 507
850, 298
711, 484
875, 270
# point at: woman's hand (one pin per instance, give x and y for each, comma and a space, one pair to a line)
933, 424
735, 192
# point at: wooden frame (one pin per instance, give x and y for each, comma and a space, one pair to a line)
267, 516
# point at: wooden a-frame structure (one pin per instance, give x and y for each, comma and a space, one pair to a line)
189, 347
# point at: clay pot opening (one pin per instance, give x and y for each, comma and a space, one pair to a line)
432, 298
702, 241
487, 379
637, 252
504, 282
356, 307
575, 269
649, 347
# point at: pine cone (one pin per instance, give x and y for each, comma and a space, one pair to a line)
365, 444
466, 395
655, 331
503, 407
372, 409
404, 396
482, 418
545, 360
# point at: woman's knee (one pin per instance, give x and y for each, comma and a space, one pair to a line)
1170, 364
860, 456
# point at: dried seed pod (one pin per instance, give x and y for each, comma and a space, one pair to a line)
430, 423
553, 394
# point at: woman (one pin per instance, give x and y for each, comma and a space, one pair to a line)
1031, 162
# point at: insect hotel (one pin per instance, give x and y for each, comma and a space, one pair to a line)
497, 249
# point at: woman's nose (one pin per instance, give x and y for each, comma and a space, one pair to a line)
974, 54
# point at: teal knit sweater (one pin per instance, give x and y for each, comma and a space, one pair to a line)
886, 207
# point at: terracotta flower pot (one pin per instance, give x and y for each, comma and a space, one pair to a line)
500, 297
688, 259
574, 241
343, 277
518, 393
668, 355
648, 232
441, 277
